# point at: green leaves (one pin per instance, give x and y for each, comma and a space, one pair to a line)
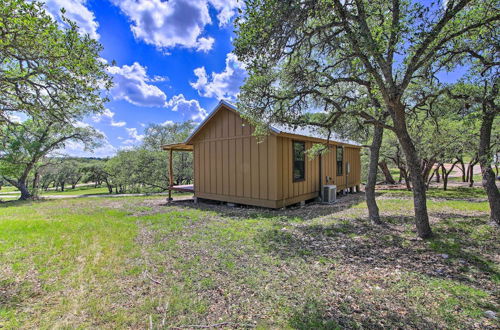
45, 69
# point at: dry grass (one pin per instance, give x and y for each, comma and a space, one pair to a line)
139, 262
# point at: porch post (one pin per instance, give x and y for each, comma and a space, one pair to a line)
171, 176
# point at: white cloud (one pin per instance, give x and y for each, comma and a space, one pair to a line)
135, 137
76, 11
15, 117
227, 9
158, 79
166, 23
81, 124
118, 123
108, 114
172, 23
223, 85
130, 85
205, 44
188, 108
167, 123
77, 149
105, 114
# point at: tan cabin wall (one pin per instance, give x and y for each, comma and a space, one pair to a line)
346, 180
232, 165
291, 192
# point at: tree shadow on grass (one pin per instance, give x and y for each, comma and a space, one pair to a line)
315, 314
393, 246
14, 293
469, 239
17, 202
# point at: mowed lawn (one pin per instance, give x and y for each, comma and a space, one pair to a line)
138, 262
83, 190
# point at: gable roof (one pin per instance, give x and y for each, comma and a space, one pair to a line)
285, 130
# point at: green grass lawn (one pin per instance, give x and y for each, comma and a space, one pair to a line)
476, 177
83, 190
138, 262
7, 189
453, 193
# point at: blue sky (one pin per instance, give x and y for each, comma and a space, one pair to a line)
172, 62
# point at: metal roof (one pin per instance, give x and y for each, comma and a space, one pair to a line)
305, 131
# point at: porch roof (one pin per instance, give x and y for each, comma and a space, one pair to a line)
178, 147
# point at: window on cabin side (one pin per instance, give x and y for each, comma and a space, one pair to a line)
299, 161
340, 160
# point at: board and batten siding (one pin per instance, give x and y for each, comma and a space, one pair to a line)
329, 168
290, 192
231, 165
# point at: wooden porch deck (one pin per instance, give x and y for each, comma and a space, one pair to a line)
184, 188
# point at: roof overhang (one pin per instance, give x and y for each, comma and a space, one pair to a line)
178, 147
317, 140
187, 146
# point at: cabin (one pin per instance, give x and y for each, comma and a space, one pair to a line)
231, 165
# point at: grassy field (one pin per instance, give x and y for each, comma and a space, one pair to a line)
7, 189
453, 193
138, 262
82, 190
78, 191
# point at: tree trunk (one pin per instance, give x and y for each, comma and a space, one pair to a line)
21, 184
437, 174
385, 169
427, 168
417, 179
35, 184
404, 173
484, 155
62, 186
446, 173
471, 174
445, 177
373, 212
25, 194
110, 187
462, 167
430, 179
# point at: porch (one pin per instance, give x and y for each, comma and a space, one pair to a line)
171, 148
183, 188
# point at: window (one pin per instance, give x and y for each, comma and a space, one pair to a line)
299, 161
340, 160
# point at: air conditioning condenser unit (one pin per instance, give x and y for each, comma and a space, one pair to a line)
329, 194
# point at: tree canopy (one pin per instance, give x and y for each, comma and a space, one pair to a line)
47, 69
305, 56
